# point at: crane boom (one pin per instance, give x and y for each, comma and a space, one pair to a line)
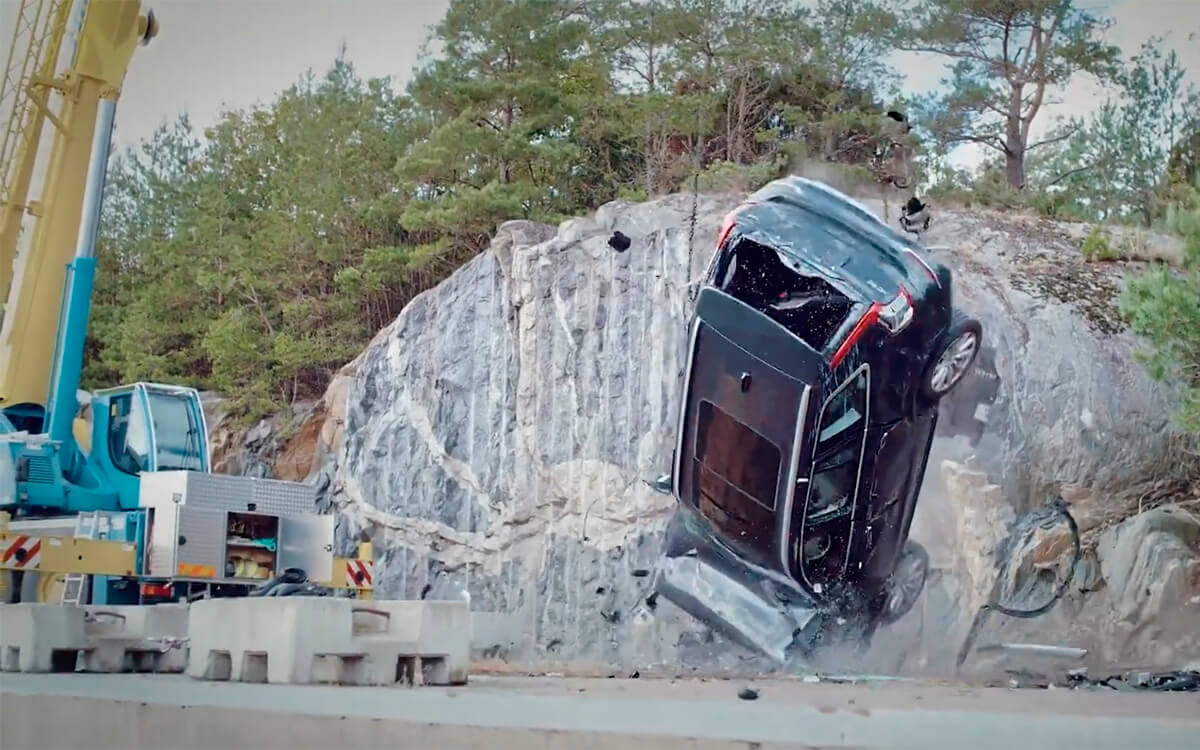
77, 104
139, 458
38, 31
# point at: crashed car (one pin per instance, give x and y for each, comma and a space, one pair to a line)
820, 345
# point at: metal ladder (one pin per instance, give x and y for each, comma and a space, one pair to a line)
87, 526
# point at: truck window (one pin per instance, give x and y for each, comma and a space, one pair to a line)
128, 434
177, 433
838, 451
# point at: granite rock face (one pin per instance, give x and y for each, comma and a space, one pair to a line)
495, 439
498, 435
1073, 405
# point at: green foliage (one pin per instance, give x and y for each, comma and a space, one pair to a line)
1004, 56
1097, 246
219, 260
725, 176
1163, 306
1135, 154
259, 256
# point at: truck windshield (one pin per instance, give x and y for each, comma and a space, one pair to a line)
177, 433
178, 439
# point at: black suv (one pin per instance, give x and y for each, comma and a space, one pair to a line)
820, 345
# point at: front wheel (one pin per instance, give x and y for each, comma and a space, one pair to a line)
906, 582
955, 356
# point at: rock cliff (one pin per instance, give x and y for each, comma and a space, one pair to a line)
495, 437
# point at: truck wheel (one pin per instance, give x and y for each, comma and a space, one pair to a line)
906, 583
953, 359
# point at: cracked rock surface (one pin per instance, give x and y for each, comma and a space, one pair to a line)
495, 440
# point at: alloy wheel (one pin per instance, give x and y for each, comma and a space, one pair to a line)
954, 362
908, 582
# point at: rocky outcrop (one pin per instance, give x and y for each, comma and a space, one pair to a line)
1134, 596
497, 435
1074, 406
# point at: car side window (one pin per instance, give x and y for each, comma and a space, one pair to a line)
838, 451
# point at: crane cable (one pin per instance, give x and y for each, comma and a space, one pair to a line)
693, 285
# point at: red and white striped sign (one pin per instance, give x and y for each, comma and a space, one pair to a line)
359, 574
22, 552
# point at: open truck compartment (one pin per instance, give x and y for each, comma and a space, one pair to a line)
223, 529
251, 545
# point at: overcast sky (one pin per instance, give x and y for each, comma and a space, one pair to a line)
216, 54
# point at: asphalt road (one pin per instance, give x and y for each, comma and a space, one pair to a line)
161, 711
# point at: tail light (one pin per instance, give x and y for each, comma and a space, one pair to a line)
729, 222
894, 317
897, 314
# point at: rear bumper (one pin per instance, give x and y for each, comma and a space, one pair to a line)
759, 608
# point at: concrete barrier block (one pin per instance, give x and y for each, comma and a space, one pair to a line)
434, 636
328, 640
41, 637
148, 638
267, 639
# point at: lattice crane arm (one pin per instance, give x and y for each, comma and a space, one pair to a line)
67, 94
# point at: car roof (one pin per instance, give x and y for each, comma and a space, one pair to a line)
851, 245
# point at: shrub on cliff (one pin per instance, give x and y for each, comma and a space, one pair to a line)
1163, 306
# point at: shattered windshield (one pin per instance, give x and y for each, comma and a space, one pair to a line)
806, 305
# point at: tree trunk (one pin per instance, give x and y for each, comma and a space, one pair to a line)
1014, 168
1014, 144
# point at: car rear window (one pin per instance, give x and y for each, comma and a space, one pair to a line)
739, 455
807, 305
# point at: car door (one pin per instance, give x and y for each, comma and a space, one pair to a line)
747, 396
901, 462
832, 500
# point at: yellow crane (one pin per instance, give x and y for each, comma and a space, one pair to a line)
131, 485
69, 91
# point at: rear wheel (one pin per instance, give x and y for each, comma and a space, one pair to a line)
955, 356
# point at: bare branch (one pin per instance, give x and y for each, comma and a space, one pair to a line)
1072, 172
1055, 139
991, 141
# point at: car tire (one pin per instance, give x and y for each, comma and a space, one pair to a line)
954, 356
906, 584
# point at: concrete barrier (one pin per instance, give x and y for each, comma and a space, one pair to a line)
66, 637
329, 640
41, 637
136, 638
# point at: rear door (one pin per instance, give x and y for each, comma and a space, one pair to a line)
750, 389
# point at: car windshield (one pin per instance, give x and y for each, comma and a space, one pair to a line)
806, 305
